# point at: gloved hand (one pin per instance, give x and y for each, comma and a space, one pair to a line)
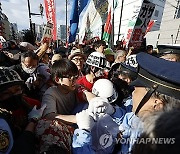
100, 105
84, 120
36, 114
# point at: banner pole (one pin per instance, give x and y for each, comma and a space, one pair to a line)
122, 5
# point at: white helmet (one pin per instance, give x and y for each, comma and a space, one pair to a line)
96, 59
105, 88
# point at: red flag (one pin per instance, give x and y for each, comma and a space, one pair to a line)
51, 16
107, 28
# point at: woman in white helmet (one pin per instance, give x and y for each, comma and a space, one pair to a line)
94, 69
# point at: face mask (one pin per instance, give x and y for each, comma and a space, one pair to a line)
28, 70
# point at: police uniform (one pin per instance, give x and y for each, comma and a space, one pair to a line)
158, 75
168, 49
6, 136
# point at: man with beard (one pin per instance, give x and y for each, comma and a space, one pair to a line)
14, 115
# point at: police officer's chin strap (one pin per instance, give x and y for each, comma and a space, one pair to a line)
146, 98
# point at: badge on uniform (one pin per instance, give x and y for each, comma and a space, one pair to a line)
4, 140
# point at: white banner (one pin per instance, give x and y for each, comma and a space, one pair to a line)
138, 24
47, 36
93, 18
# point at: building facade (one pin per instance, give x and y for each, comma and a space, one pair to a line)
39, 30
170, 28
62, 33
13, 31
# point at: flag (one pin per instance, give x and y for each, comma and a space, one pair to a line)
107, 28
51, 16
77, 7
150, 25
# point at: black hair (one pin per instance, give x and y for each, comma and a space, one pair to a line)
119, 69
114, 71
30, 54
63, 68
149, 47
88, 50
87, 69
98, 43
123, 90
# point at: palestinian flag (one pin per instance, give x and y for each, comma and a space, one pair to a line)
107, 28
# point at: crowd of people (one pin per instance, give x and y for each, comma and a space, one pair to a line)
89, 99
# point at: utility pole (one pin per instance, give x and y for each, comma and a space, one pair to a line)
122, 5
66, 23
32, 25
30, 21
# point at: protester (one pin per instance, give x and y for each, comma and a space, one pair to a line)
27, 71
94, 69
26, 46
78, 58
99, 46
10, 55
43, 75
120, 56
61, 99
55, 57
149, 49
17, 132
123, 72
109, 55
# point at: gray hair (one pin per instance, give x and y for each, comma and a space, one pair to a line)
30, 54
120, 53
160, 125
169, 102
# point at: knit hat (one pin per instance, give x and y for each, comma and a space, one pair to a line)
109, 51
8, 78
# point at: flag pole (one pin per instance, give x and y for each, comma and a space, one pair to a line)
112, 40
66, 23
122, 5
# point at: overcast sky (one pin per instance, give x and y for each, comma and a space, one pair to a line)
17, 12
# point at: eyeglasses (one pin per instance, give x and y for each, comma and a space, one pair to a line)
78, 59
29, 66
71, 78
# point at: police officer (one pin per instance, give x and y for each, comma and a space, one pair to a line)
169, 52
